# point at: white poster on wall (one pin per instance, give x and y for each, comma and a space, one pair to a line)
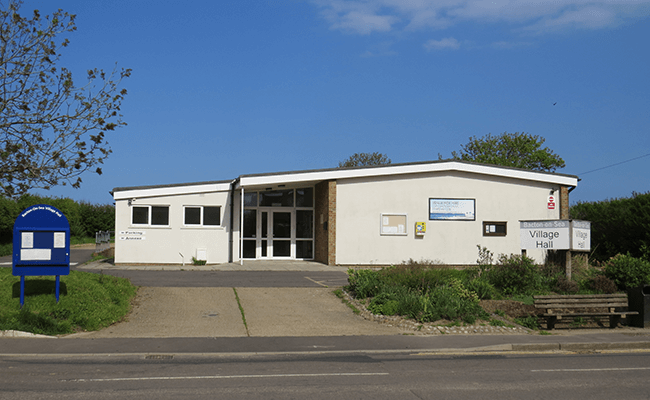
452, 209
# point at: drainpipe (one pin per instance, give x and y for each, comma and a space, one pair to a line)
232, 219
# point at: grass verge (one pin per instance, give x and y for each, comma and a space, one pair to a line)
241, 310
87, 302
339, 293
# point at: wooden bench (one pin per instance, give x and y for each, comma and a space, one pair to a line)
557, 307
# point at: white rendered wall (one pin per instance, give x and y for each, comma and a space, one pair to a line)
162, 245
360, 202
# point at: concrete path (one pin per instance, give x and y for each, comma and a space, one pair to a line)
214, 312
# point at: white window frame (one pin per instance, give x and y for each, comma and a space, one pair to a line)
201, 224
149, 215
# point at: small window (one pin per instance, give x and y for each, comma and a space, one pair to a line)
212, 216
159, 215
141, 215
150, 215
192, 215
202, 215
250, 199
495, 228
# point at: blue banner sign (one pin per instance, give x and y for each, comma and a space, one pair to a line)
41, 244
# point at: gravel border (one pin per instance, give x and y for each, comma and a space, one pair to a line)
441, 327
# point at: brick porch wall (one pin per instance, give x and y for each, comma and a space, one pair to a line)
564, 202
325, 215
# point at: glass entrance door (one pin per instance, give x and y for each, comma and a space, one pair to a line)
281, 229
279, 225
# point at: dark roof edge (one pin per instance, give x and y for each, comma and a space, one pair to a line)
123, 189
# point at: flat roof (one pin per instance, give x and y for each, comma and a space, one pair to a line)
404, 168
317, 175
120, 193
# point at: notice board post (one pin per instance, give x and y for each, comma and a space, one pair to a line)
41, 245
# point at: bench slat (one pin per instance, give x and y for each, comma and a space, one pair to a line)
580, 296
578, 305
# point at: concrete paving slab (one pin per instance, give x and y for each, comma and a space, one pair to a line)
303, 312
178, 312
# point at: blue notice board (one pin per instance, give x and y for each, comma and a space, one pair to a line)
41, 242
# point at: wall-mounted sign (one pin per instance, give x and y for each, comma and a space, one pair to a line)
393, 224
132, 235
420, 228
452, 209
555, 235
551, 203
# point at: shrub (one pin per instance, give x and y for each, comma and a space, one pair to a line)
530, 322
564, 285
617, 225
627, 271
602, 284
515, 274
483, 289
364, 283
384, 303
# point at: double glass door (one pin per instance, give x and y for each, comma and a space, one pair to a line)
278, 233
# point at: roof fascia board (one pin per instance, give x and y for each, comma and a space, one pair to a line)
406, 169
170, 191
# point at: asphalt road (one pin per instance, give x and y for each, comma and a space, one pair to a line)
324, 376
209, 278
77, 257
252, 279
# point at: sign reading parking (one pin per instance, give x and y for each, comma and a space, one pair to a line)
41, 245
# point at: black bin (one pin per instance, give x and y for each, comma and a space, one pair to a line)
639, 301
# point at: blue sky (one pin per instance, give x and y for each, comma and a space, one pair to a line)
230, 87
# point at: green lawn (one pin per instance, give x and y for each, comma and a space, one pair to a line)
87, 302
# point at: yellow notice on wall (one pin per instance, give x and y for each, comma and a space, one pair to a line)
420, 228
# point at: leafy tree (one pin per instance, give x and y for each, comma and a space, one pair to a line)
519, 150
364, 160
51, 130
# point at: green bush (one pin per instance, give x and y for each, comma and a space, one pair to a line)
602, 284
515, 274
483, 289
627, 271
421, 293
84, 218
530, 322
364, 283
617, 225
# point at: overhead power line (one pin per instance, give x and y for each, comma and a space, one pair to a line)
613, 165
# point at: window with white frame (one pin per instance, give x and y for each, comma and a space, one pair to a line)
202, 215
150, 215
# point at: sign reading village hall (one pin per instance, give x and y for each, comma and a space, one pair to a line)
555, 235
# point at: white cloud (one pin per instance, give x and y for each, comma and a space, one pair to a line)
364, 23
442, 44
539, 16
